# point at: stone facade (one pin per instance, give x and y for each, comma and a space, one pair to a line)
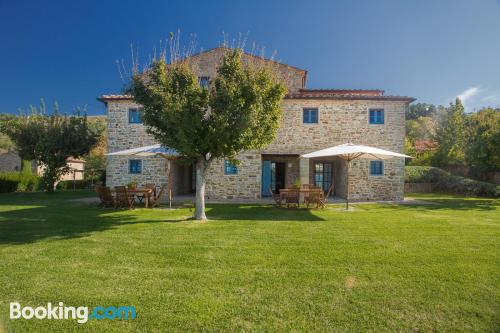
343, 116
205, 64
9, 161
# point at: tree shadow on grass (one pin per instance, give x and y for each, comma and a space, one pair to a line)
22, 224
267, 213
31, 224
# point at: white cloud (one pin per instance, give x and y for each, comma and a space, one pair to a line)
469, 94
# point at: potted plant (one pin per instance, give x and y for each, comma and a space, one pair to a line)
132, 185
296, 183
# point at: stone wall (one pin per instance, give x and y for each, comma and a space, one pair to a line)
339, 122
206, 63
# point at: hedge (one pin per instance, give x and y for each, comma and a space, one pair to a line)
446, 182
68, 184
18, 181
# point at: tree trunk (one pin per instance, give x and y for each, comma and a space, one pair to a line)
199, 212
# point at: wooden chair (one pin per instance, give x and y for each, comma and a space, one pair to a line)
150, 186
276, 197
314, 198
156, 200
324, 197
98, 190
292, 197
105, 196
123, 199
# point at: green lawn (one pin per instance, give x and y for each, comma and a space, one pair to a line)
415, 268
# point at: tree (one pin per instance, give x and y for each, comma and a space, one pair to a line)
484, 147
418, 110
239, 110
452, 137
50, 140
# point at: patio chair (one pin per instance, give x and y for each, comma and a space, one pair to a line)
324, 197
156, 200
123, 199
105, 196
314, 198
276, 197
151, 186
292, 197
98, 190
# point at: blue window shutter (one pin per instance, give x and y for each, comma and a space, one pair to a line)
376, 116
229, 168
376, 168
310, 116
135, 166
266, 178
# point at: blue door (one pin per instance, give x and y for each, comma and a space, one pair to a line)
266, 178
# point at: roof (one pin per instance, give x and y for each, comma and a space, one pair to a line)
335, 94
347, 94
248, 54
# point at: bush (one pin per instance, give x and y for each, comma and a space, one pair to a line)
68, 184
19, 181
446, 182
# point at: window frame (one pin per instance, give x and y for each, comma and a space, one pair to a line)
138, 110
229, 168
382, 168
376, 119
304, 110
130, 161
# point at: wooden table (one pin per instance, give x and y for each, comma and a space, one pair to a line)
146, 192
302, 192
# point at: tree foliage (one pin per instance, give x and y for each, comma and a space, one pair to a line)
452, 137
484, 140
418, 110
50, 140
238, 111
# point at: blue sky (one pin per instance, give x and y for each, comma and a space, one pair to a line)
428, 49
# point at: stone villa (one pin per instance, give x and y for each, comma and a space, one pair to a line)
313, 119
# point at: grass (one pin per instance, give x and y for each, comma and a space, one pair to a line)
412, 268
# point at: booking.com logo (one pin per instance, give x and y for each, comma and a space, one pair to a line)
81, 313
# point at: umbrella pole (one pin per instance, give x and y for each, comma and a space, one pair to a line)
170, 183
347, 185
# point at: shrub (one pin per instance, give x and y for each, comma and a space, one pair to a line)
68, 184
446, 182
19, 181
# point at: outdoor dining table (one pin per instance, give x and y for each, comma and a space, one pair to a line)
302, 192
146, 192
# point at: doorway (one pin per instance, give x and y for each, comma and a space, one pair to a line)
323, 175
273, 177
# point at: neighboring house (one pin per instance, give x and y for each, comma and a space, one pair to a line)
313, 119
76, 169
9, 161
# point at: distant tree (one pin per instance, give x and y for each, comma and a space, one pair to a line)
50, 140
239, 110
5, 142
422, 128
95, 160
484, 143
452, 137
418, 110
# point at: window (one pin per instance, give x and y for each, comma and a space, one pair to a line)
310, 116
230, 168
376, 116
134, 116
376, 168
135, 166
204, 81
323, 173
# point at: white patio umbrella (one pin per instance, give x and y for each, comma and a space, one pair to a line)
349, 152
154, 150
